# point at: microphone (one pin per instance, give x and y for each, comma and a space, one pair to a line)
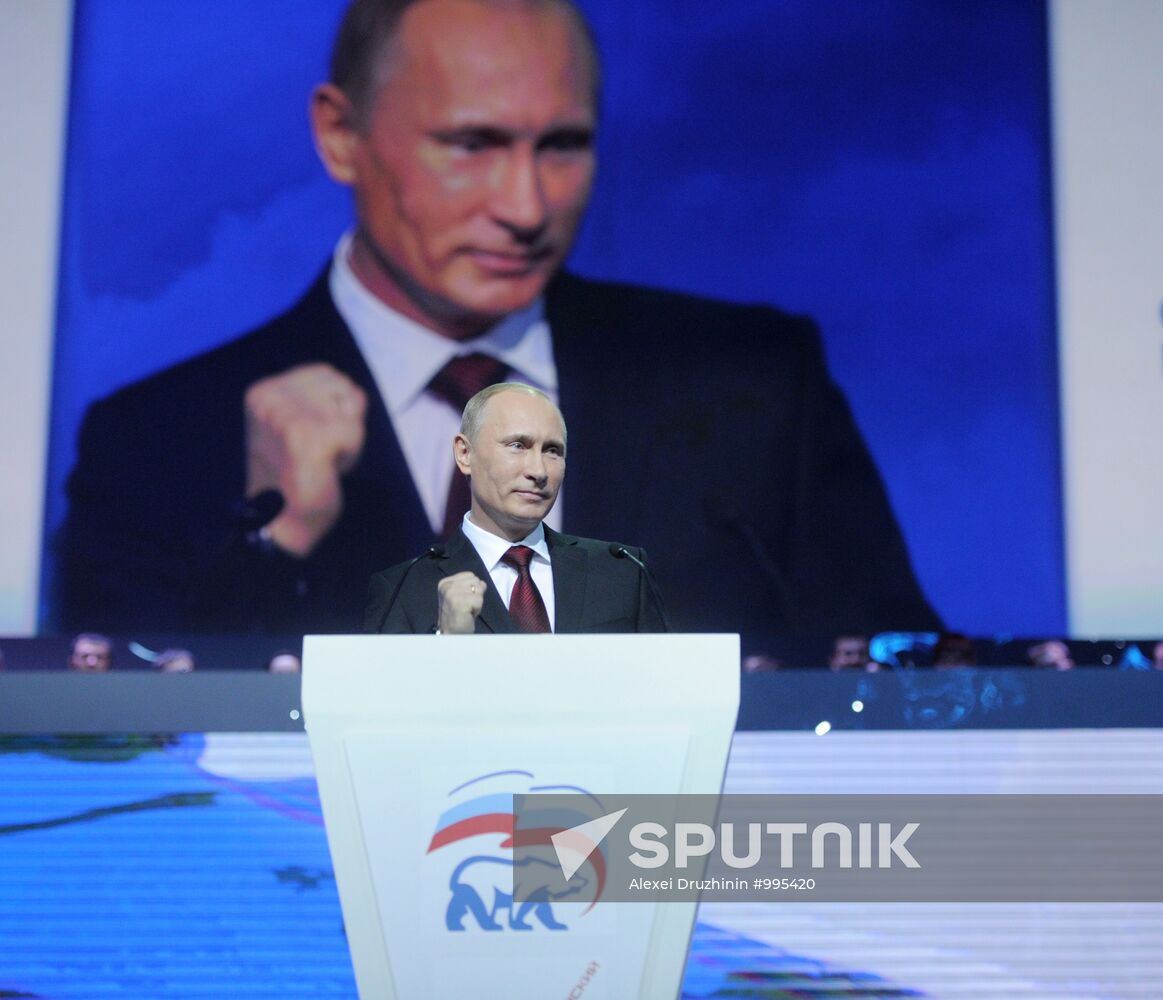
619, 551
432, 552
726, 517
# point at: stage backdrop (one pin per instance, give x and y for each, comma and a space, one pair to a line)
882, 166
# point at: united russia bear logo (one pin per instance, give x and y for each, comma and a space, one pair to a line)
489, 888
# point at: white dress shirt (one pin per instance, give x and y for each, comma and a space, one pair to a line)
404, 356
503, 577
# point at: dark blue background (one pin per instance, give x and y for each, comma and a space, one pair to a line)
881, 165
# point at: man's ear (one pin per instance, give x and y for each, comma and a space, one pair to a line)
336, 138
462, 454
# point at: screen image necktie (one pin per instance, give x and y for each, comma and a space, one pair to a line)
456, 383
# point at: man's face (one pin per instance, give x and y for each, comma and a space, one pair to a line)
475, 164
848, 652
91, 656
516, 463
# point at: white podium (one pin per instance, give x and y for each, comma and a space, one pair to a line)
420, 742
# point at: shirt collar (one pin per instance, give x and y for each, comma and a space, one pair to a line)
492, 547
405, 355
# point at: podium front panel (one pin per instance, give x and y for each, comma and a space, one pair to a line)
420, 744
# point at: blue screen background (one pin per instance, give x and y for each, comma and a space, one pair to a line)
882, 166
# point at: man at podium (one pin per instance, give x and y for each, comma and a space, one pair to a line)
504, 569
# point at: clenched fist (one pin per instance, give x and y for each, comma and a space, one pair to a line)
459, 599
304, 430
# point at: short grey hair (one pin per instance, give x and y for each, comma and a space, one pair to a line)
369, 29
474, 409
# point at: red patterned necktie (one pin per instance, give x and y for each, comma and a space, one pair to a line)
456, 383
525, 605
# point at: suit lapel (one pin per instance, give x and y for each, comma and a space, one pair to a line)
570, 572
460, 556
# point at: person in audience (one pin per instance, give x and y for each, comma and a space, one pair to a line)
1053, 653
954, 650
285, 662
174, 661
849, 652
760, 663
92, 653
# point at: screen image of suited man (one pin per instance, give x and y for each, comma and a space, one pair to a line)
710, 433
512, 449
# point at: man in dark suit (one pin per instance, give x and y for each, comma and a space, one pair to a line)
710, 433
503, 570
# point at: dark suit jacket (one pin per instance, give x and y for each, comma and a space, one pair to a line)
708, 433
593, 591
